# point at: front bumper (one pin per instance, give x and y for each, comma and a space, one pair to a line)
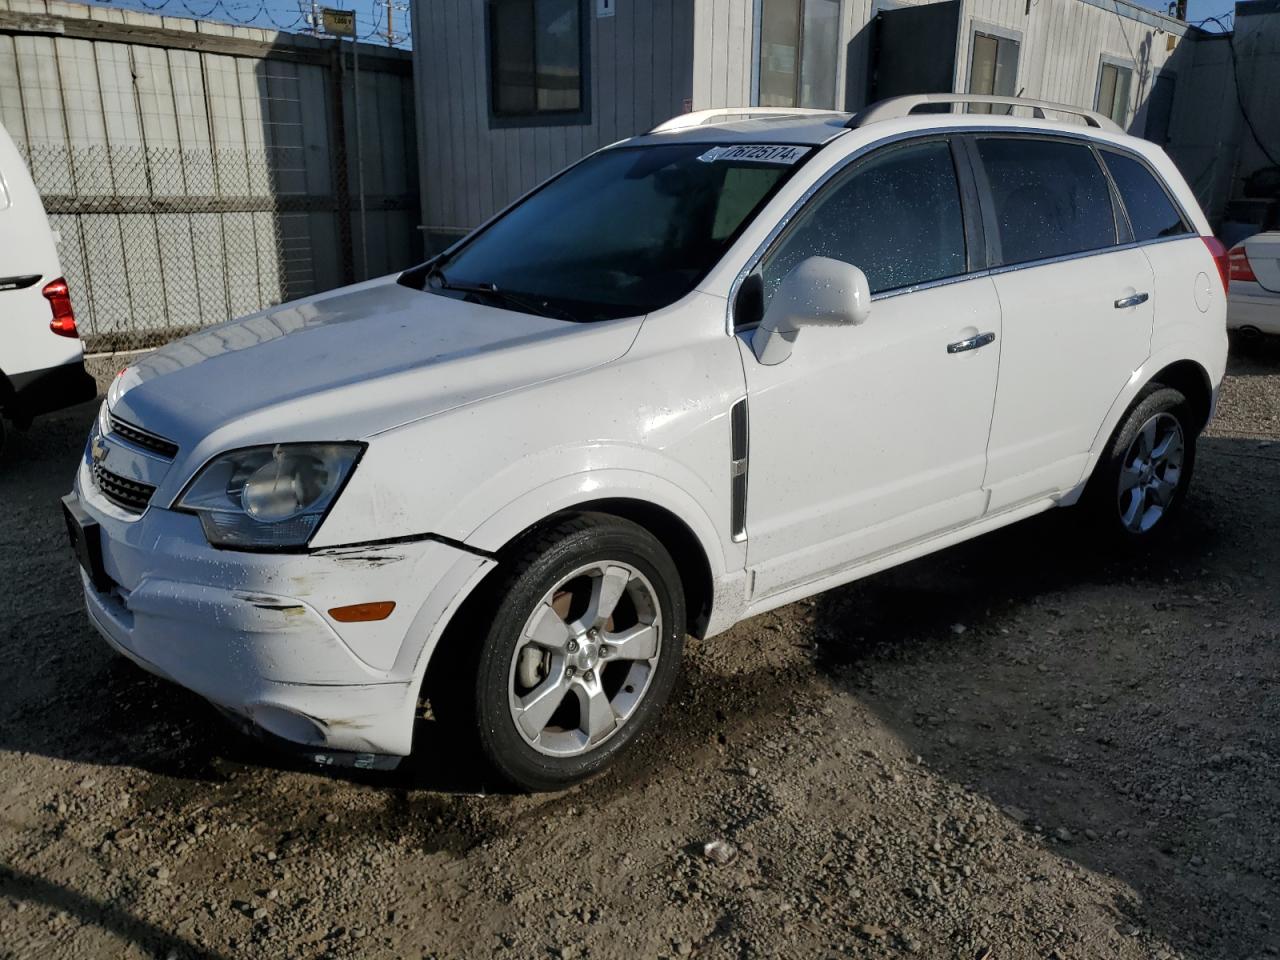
250, 632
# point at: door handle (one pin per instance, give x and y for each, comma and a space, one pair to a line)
1133, 301
971, 343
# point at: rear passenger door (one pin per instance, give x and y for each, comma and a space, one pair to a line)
1183, 290
1076, 309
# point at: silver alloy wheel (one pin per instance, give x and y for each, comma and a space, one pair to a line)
1151, 473
585, 658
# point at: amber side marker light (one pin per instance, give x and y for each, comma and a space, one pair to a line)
363, 612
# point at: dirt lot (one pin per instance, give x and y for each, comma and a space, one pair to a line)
1017, 748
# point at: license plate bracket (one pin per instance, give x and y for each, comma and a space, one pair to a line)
86, 541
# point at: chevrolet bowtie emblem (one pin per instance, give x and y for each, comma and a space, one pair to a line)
98, 450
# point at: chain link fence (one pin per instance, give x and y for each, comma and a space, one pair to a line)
157, 242
200, 174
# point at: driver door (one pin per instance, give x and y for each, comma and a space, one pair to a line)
867, 438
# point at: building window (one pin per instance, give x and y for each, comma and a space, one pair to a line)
1114, 80
993, 68
537, 53
799, 53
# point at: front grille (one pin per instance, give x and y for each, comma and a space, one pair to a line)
124, 493
142, 438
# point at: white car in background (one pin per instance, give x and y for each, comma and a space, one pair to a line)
41, 358
701, 373
1253, 301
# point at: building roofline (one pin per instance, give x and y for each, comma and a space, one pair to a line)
1140, 14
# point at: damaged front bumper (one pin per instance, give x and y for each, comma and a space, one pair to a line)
251, 632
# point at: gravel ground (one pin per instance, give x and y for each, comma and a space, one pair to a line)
1019, 747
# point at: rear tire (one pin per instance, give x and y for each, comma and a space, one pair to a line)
1141, 481
578, 656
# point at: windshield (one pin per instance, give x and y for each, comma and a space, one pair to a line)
622, 233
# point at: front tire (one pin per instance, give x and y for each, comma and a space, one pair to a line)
581, 653
1142, 479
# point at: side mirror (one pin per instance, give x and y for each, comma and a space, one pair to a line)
818, 292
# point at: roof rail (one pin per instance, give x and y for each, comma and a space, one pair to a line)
904, 106
729, 114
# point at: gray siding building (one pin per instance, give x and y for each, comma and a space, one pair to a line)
509, 91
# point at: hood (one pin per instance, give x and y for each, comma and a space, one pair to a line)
351, 363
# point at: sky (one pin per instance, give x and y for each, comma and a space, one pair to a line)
1198, 9
290, 15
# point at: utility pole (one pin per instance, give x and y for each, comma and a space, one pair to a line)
391, 6
311, 15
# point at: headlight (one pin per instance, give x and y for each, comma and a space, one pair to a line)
269, 497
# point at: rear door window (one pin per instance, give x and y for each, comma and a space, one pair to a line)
896, 216
1050, 198
1151, 213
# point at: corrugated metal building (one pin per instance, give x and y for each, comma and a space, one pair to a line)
512, 90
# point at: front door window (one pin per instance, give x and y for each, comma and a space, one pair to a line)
896, 216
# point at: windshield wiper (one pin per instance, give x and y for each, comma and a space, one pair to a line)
534, 305
522, 302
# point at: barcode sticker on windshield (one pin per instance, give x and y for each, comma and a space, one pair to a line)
756, 153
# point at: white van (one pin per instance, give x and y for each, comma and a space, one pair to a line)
41, 358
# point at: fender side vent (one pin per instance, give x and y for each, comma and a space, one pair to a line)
738, 471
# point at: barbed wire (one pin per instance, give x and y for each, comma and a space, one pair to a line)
230, 12
1223, 23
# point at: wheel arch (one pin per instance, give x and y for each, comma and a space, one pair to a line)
1178, 371
1192, 380
697, 578
678, 513
686, 550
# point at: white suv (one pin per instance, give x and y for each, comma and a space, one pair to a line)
697, 375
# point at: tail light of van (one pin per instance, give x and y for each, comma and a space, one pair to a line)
1219, 254
1241, 269
64, 318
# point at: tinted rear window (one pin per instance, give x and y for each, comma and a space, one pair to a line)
1151, 213
1051, 198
